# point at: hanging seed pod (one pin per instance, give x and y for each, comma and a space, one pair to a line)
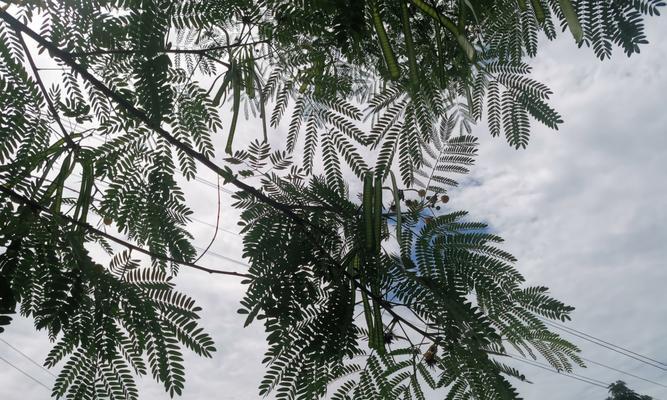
444, 199
387, 51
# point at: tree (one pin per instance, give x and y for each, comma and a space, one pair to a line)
619, 391
149, 77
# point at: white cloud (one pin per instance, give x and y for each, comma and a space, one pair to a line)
583, 209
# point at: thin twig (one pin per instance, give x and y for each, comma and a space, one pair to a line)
217, 223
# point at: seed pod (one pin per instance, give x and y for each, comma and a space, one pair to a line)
422, 193
368, 211
107, 220
572, 19
444, 199
387, 51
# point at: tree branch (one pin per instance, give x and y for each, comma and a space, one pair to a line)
52, 108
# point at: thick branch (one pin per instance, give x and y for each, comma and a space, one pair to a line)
52, 108
37, 208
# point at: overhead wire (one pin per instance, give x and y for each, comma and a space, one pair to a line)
25, 373
623, 372
608, 345
27, 357
591, 381
209, 252
14, 196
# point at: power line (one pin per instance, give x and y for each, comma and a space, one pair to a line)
590, 381
623, 372
27, 357
209, 252
198, 179
25, 373
14, 196
213, 226
608, 345
192, 218
220, 256
226, 258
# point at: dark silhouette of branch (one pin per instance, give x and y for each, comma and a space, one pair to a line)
52, 108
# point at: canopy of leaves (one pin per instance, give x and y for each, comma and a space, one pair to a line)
382, 294
619, 391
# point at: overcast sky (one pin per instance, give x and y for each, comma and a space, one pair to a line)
583, 209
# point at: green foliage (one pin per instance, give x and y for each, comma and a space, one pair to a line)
619, 391
372, 89
303, 296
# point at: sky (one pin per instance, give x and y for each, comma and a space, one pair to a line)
583, 209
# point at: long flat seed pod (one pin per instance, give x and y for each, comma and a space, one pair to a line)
377, 279
387, 51
449, 25
377, 215
58, 184
441, 72
250, 75
409, 43
367, 210
397, 209
538, 9
223, 88
378, 328
572, 20
56, 149
368, 314
262, 111
85, 193
236, 87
